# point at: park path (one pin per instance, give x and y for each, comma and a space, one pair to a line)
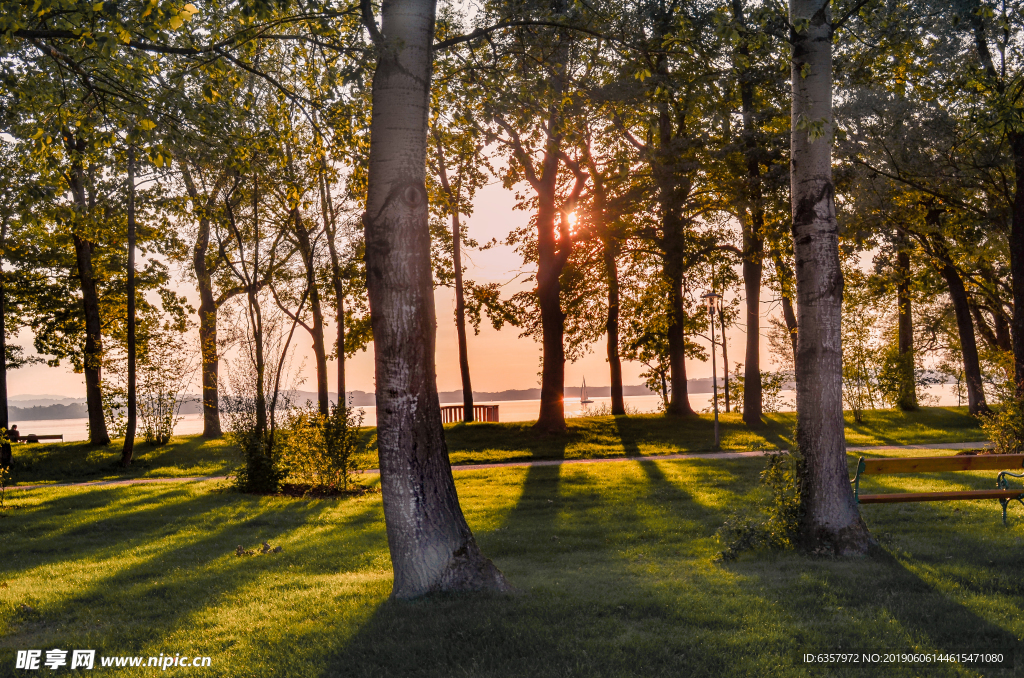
541, 462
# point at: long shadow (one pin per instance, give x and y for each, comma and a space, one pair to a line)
196, 571
578, 546
604, 595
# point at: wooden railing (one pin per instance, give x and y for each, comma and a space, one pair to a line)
454, 413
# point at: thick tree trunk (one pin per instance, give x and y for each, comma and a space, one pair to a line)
551, 417
612, 328
6, 455
968, 342
128, 448
679, 405
432, 547
317, 330
830, 515
907, 398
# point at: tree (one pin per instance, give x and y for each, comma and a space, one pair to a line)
830, 515
432, 547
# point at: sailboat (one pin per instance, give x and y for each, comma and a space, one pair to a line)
584, 400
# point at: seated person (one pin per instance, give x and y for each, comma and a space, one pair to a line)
13, 434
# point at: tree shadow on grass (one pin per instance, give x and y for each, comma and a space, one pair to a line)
181, 575
604, 591
579, 550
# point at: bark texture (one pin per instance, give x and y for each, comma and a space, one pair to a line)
432, 547
830, 515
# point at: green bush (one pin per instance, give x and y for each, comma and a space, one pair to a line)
1004, 425
775, 519
319, 450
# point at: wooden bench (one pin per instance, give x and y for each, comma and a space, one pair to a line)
980, 462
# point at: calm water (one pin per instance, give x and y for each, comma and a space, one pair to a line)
508, 410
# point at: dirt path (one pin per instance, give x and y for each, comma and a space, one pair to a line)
542, 462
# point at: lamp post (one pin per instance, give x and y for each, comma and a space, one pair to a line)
711, 301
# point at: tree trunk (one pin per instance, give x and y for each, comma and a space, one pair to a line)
317, 330
207, 306
907, 397
612, 328
460, 297
337, 280
93, 343
129, 435
460, 321
432, 547
753, 244
725, 357
830, 515
6, 454
1017, 261
679, 405
968, 342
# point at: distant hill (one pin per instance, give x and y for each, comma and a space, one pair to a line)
45, 412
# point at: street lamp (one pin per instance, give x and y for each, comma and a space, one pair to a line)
711, 301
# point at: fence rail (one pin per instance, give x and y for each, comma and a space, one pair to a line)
453, 413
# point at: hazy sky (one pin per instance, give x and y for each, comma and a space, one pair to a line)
498, 360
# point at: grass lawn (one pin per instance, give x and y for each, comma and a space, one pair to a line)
488, 443
613, 562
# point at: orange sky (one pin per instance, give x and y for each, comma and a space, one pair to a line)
499, 360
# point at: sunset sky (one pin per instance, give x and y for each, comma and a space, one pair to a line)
499, 360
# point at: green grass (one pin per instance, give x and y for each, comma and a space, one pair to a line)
184, 456
477, 443
613, 562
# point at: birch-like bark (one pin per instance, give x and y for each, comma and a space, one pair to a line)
432, 547
830, 515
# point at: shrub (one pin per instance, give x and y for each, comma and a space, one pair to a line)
1005, 426
319, 450
776, 517
772, 385
261, 470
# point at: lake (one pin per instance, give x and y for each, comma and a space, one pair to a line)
508, 410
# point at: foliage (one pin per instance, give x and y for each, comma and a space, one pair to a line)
261, 470
319, 450
776, 517
1004, 425
772, 384
164, 371
5, 476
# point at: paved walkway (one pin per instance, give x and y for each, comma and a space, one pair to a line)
542, 462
